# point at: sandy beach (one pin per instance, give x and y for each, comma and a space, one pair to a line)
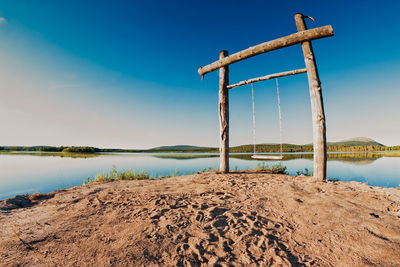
205, 219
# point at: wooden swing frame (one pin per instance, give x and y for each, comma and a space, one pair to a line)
303, 36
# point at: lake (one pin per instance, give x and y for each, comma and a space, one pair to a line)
25, 173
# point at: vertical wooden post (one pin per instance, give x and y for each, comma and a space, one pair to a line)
224, 115
317, 104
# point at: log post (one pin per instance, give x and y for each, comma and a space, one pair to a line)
224, 115
295, 38
267, 77
317, 104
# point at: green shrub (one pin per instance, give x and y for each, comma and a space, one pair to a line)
276, 168
119, 175
306, 172
333, 179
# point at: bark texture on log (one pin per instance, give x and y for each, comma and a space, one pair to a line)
268, 77
224, 115
295, 38
317, 104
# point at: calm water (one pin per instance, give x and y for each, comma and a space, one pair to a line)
22, 174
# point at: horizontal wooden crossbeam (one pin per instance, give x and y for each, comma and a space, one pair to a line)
295, 38
267, 77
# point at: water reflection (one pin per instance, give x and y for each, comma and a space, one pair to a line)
51, 154
351, 158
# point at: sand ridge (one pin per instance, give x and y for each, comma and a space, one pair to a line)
207, 219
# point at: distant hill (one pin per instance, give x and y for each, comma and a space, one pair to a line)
357, 141
353, 144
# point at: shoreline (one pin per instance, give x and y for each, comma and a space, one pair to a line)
210, 218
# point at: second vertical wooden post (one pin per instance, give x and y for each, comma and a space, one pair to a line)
317, 104
224, 115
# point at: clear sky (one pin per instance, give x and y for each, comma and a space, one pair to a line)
124, 73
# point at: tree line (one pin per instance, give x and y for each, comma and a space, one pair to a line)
309, 148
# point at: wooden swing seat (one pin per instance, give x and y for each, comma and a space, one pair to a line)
268, 157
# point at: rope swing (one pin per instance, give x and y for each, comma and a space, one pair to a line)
254, 120
267, 157
280, 114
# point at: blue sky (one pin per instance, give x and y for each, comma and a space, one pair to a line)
124, 73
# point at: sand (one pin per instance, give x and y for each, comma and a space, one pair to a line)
206, 219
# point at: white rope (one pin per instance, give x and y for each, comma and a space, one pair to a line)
254, 119
280, 115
